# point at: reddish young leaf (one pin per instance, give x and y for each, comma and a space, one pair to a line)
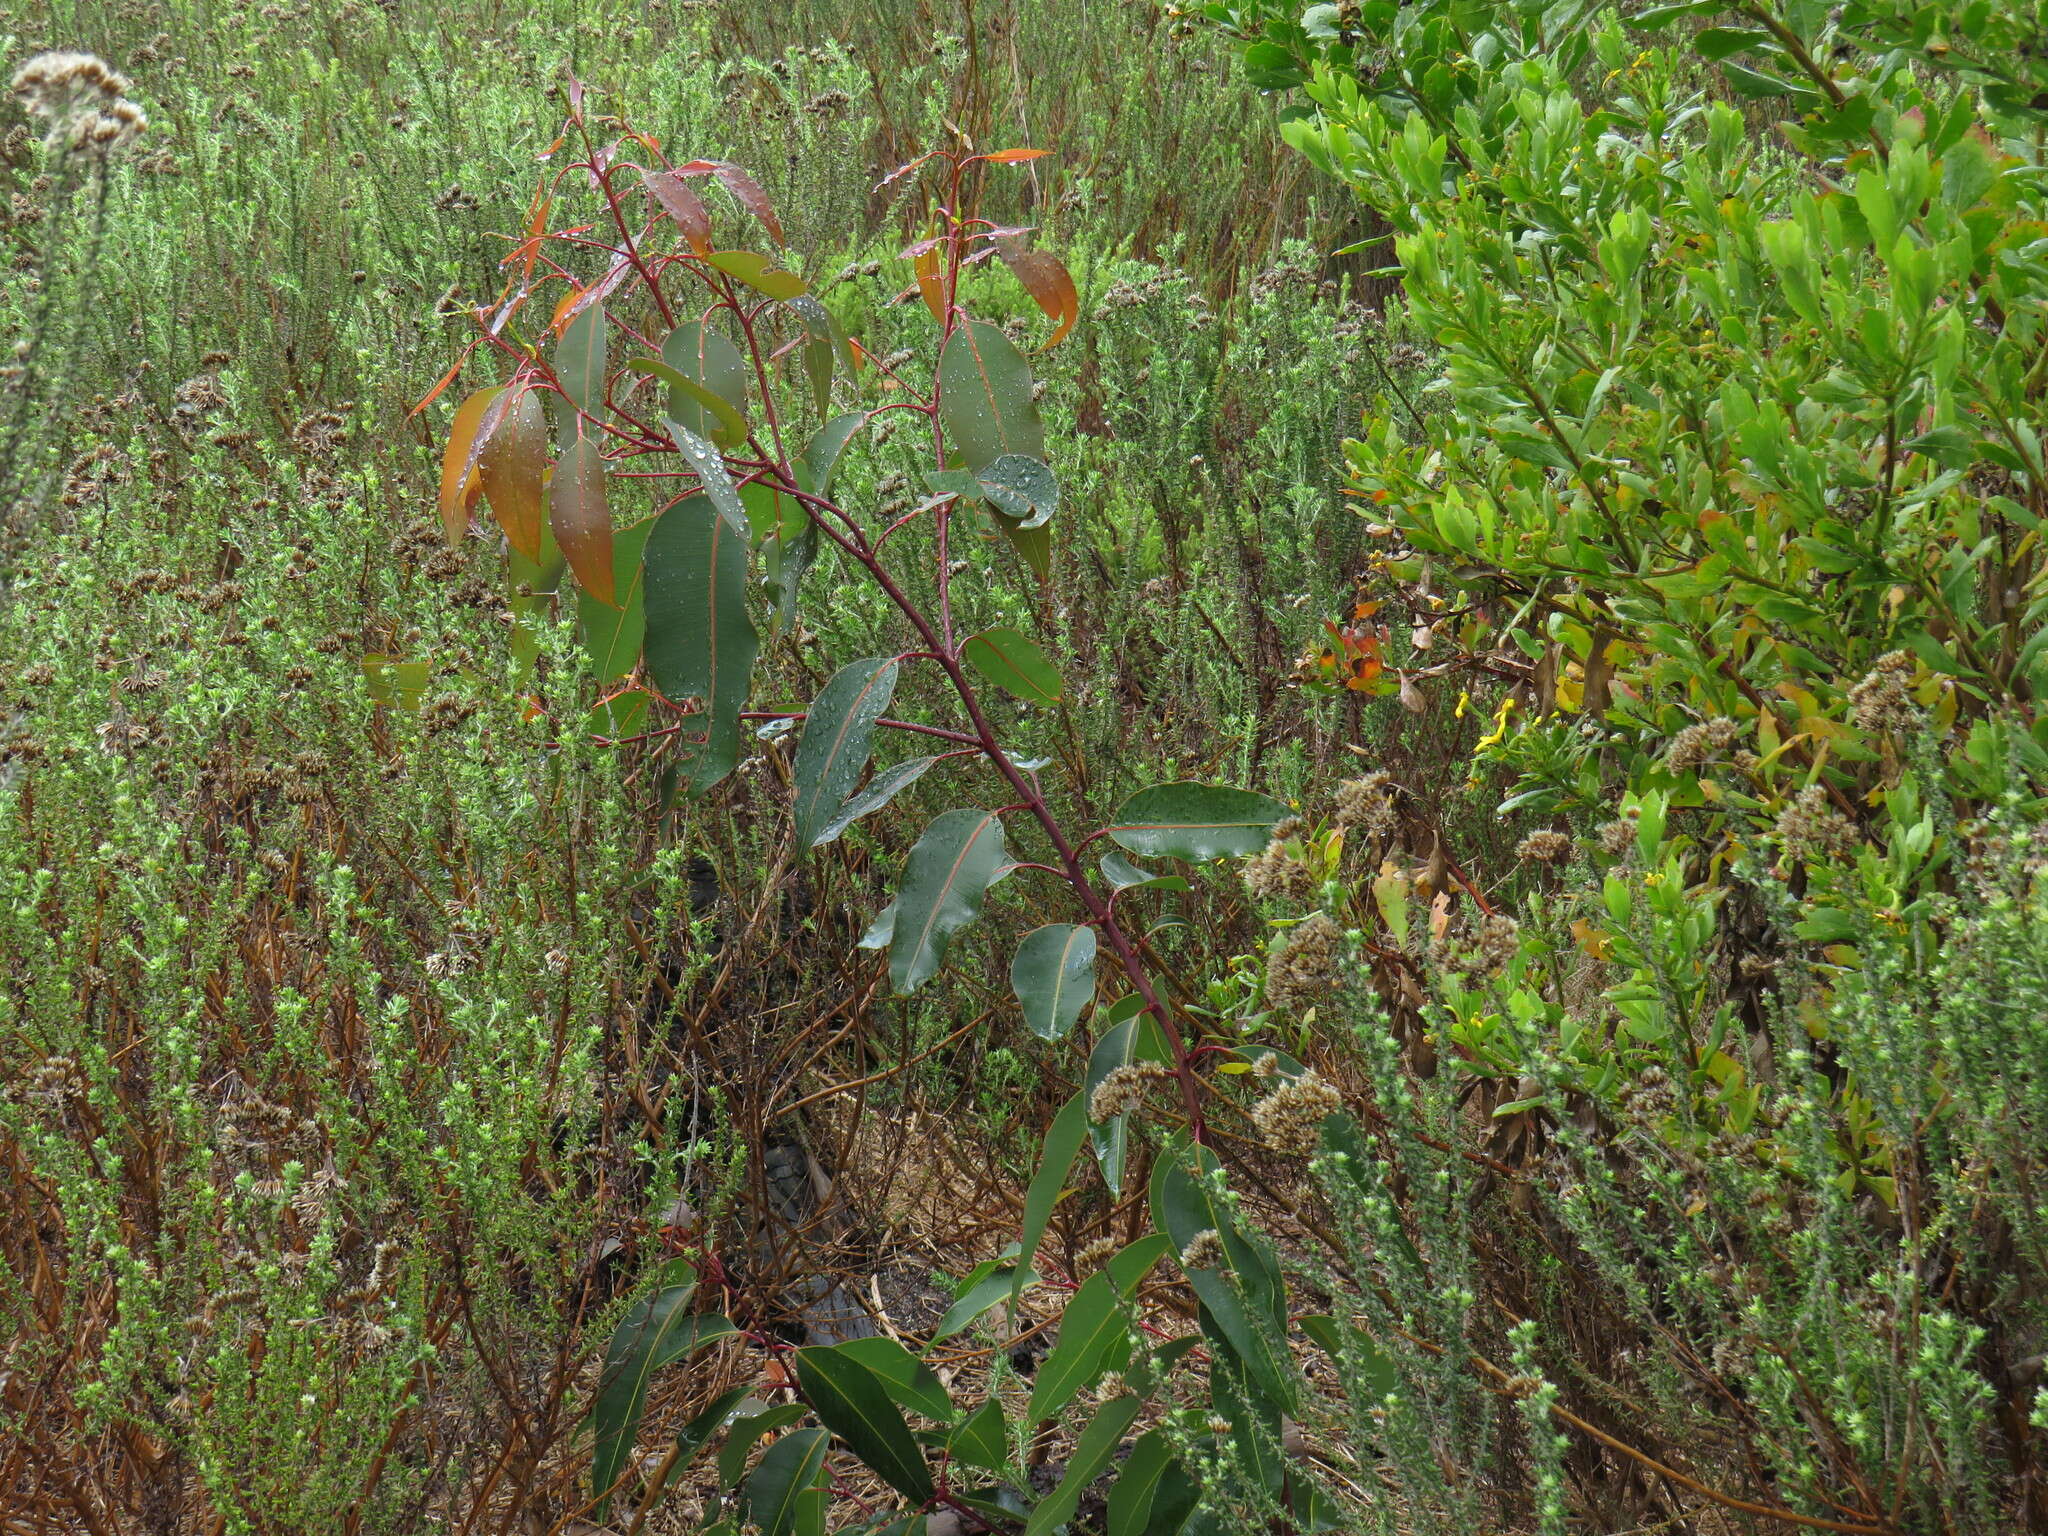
684, 206
446, 379
1047, 281
459, 481
751, 197
903, 170
512, 465
1012, 156
582, 519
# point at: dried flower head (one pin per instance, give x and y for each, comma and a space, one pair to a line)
1205, 1250
1617, 837
1094, 1256
1809, 826
1694, 745
1303, 968
1367, 803
1278, 874
82, 98
1545, 847
1882, 701
1124, 1088
1290, 1118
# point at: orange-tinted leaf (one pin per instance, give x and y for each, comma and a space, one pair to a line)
684, 206
1046, 279
1012, 156
582, 518
536, 227
751, 197
446, 379
459, 480
564, 308
573, 304
931, 285
512, 464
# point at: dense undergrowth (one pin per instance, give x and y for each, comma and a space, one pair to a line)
1584, 473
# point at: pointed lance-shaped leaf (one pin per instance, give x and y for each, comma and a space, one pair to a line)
1053, 976
839, 730
613, 632
512, 466
460, 482
676, 199
579, 367
931, 287
1033, 545
656, 1331
1062, 1145
821, 457
944, 881
709, 463
759, 273
747, 192
854, 1405
1131, 1036
903, 1376
787, 1471
581, 517
880, 790
1094, 1337
701, 641
727, 426
1093, 1451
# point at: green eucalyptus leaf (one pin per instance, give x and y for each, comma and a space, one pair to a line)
854, 1405
579, 369
1147, 1472
827, 444
709, 464
985, 402
1134, 1037
759, 273
1021, 488
774, 1489
746, 1431
612, 635
1123, 875
903, 1376
1014, 664
839, 732
1092, 1452
1062, 1142
987, 1285
657, 1330
1196, 822
701, 641
948, 872
982, 1438
880, 790
1053, 976
1094, 1337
